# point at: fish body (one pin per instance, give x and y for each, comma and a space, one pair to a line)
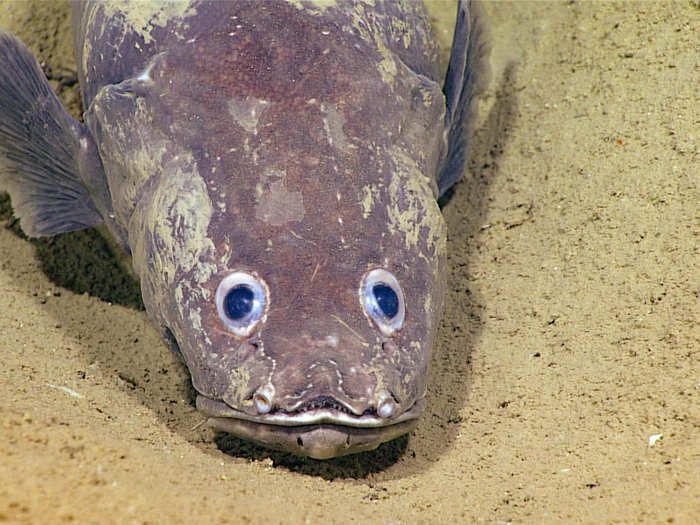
272, 168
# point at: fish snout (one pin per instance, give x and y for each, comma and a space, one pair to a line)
321, 398
326, 389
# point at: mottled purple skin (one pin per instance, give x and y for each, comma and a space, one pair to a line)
301, 144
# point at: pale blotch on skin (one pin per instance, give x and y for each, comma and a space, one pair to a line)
403, 28
376, 369
246, 112
195, 321
314, 6
178, 217
239, 379
275, 203
370, 194
168, 235
387, 66
135, 151
139, 17
142, 16
413, 207
333, 123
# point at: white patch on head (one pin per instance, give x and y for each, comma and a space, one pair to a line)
143, 17
315, 7
246, 112
196, 324
276, 204
370, 197
168, 234
179, 218
413, 210
333, 123
132, 149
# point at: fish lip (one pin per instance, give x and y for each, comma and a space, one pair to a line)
219, 410
323, 441
319, 433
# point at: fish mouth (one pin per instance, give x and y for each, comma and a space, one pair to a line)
320, 433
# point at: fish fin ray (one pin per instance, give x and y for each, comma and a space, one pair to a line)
466, 76
39, 148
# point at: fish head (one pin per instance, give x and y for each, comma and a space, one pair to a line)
322, 329
313, 332
318, 322
290, 241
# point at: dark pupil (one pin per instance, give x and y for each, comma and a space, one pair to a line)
387, 299
238, 302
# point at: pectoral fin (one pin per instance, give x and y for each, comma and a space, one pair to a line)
466, 73
41, 147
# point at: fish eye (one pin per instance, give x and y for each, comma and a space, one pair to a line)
241, 301
382, 300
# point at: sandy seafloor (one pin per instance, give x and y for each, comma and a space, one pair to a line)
570, 337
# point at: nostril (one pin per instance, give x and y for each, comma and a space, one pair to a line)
390, 347
262, 403
262, 399
386, 405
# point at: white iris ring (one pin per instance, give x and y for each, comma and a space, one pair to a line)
370, 304
244, 326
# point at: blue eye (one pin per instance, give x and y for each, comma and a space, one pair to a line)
382, 300
387, 299
238, 302
241, 302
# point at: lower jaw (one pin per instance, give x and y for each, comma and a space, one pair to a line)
318, 441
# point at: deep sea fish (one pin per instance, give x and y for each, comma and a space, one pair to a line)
272, 167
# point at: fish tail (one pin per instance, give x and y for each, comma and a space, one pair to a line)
40, 146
